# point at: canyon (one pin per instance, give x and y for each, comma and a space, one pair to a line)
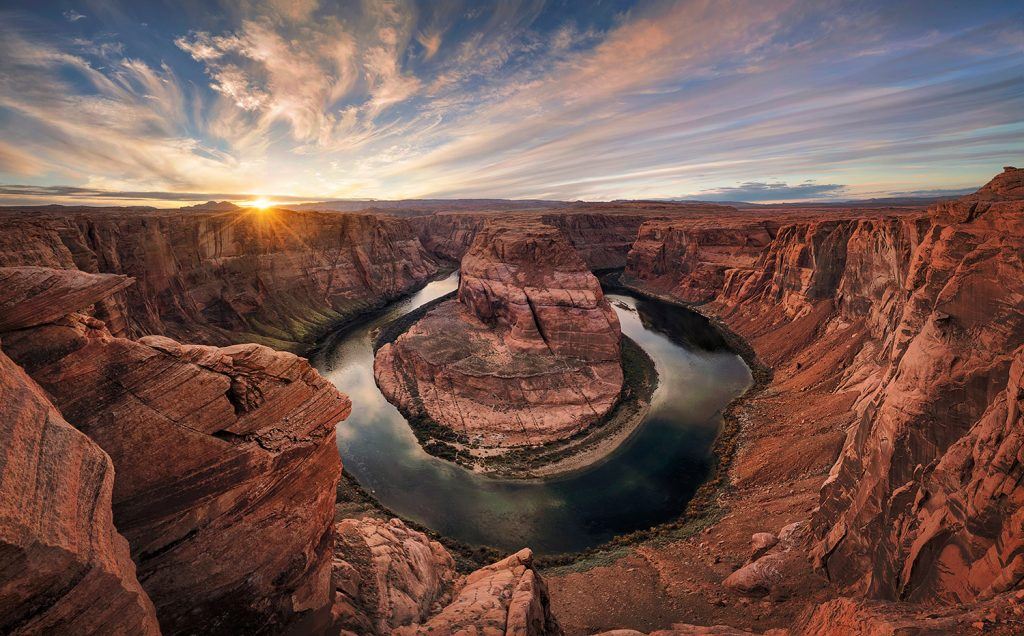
154, 486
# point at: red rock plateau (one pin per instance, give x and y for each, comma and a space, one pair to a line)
150, 486
528, 353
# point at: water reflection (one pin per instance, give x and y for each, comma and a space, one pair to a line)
648, 479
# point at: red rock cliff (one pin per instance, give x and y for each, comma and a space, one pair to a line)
275, 277
921, 318
602, 233
64, 569
225, 459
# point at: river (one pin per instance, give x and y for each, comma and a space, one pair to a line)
645, 481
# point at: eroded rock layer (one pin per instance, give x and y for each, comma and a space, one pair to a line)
220, 277
505, 598
528, 353
916, 321
64, 569
391, 579
225, 464
602, 233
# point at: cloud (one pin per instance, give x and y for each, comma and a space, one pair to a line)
325, 78
130, 124
394, 99
935, 192
73, 16
753, 191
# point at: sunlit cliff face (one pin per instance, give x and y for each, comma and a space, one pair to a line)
141, 103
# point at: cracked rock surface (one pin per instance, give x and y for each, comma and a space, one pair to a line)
527, 353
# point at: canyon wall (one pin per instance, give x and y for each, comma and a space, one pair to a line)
225, 464
528, 352
276, 277
601, 233
920, 318
689, 260
63, 566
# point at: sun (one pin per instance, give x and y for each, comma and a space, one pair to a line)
261, 203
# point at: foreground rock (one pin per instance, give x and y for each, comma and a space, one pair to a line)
387, 575
391, 579
225, 465
507, 597
527, 354
63, 566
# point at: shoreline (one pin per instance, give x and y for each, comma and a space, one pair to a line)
329, 332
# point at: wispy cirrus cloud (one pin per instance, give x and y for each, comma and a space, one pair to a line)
528, 99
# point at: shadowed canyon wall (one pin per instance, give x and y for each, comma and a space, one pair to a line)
275, 277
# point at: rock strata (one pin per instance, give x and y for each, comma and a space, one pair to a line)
225, 464
528, 353
508, 597
387, 575
63, 566
220, 277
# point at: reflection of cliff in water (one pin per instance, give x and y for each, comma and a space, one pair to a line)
686, 328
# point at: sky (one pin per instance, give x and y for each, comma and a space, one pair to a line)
169, 103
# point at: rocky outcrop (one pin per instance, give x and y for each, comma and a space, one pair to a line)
528, 353
63, 566
1001, 616
225, 464
387, 575
218, 277
508, 597
38, 295
767, 565
391, 579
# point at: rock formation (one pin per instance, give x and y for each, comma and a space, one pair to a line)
63, 566
688, 260
394, 580
225, 460
220, 277
602, 233
925, 501
387, 575
528, 353
507, 597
